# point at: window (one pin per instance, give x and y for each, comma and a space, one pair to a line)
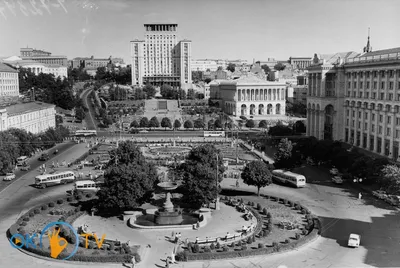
348, 93
360, 94
361, 85
347, 122
383, 74
389, 119
366, 115
365, 126
397, 133
352, 123
373, 117
374, 95
355, 85
347, 112
391, 73
367, 74
375, 85
387, 131
367, 95
353, 113
380, 130
380, 118
382, 84
373, 128
359, 124
382, 96
390, 85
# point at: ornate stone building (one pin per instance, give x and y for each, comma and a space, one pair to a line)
249, 96
355, 98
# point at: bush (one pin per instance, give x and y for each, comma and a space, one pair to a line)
249, 240
285, 202
269, 215
293, 204
31, 214
218, 245
276, 247
249, 203
36, 211
44, 207
90, 245
233, 245
79, 197
253, 238
260, 245
51, 205
297, 236
225, 249
289, 203
88, 195
304, 232
244, 248
287, 241
297, 207
24, 223
112, 246
265, 233
196, 248
69, 199
264, 211
180, 256
212, 246
258, 206
274, 244
207, 249
60, 201
252, 204
26, 218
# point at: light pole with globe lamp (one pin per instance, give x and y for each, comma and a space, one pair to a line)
217, 207
358, 180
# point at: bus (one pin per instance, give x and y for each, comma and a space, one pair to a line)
87, 186
214, 133
22, 160
288, 177
85, 133
43, 181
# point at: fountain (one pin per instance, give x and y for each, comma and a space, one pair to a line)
168, 214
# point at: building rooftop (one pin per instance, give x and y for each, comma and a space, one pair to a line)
250, 80
5, 68
381, 52
27, 107
333, 58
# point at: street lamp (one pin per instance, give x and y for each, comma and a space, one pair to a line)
217, 183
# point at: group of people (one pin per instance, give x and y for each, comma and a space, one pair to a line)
176, 237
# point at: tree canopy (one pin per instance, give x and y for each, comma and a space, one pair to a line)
188, 124
250, 123
177, 124
257, 173
263, 124
231, 67
144, 122
199, 173
128, 180
198, 123
283, 158
150, 91
154, 122
166, 123
168, 92
279, 66
266, 68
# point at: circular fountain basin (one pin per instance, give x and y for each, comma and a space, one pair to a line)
168, 186
170, 150
149, 220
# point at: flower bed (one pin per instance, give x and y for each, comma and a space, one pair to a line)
248, 247
111, 251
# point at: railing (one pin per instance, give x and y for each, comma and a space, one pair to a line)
390, 56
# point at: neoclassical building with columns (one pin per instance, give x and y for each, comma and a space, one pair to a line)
249, 96
355, 97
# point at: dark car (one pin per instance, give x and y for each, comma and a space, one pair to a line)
44, 157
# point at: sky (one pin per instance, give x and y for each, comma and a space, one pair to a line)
218, 29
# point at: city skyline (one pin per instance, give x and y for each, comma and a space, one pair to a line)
218, 30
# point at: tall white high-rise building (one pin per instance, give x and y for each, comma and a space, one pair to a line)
161, 58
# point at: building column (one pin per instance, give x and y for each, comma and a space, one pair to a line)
376, 133
321, 124
393, 133
355, 124
362, 145
369, 128
308, 122
384, 131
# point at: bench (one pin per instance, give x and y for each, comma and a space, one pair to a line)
234, 236
208, 240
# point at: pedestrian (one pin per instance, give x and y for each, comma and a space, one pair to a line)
237, 183
173, 236
359, 195
133, 261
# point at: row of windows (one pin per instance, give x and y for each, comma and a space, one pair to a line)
8, 75
374, 85
57, 177
374, 74
388, 131
374, 95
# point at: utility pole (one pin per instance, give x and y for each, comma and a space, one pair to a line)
217, 207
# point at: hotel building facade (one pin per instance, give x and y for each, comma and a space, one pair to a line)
9, 83
43, 57
355, 98
161, 58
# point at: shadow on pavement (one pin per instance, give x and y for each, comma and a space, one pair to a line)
234, 192
380, 238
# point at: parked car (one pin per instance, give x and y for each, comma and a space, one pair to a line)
379, 194
337, 180
44, 157
26, 167
392, 200
354, 240
9, 177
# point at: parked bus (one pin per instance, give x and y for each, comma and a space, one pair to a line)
85, 133
288, 177
214, 133
87, 186
43, 181
22, 160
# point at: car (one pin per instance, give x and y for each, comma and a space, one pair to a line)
98, 174
392, 200
337, 180
9, 177
143, 131
26, 167
379, 194
44, 157
354, 240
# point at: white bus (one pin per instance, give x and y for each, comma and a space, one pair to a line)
214, 133
288, 177
43, 181
22, 160
87, 186
85, 133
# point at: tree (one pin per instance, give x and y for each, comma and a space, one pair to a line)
256, 173
231, 67
80, 114
217, 124
263, 124
128, 180
280, 130
177, 124
188, 124
283, 157
154, 122
144, 122
199, 174
166, 91
101, 73
191, 94
166, 123
391, 178
134, 124
210, 124
250, 123
279, 66
266, 68
198, 123
150, 91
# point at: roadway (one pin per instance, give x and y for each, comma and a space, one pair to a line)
89, 118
